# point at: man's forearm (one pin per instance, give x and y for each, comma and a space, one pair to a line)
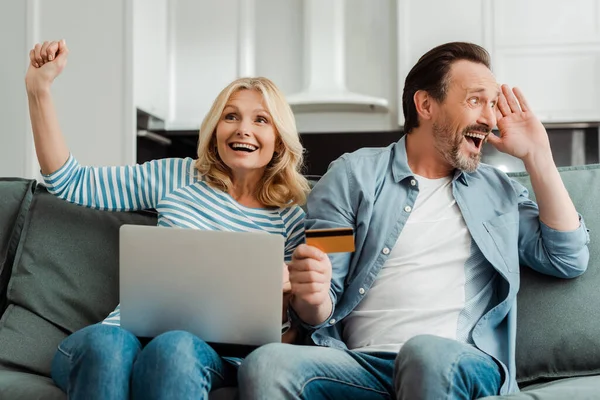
556, 208
311, 314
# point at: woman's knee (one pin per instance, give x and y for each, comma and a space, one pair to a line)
101, 343
178, 350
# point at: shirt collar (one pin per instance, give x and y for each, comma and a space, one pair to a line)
401, 170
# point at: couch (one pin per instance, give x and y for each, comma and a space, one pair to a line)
59, 273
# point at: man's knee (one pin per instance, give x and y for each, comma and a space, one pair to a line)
427, 361
271, 372
261, 363
426, 351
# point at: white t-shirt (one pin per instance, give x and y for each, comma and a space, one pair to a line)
432, 283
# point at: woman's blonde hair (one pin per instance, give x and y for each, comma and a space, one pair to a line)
282, 184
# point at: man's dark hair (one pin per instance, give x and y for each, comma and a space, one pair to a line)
431, 74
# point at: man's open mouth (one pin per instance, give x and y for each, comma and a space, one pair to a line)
246, 147
476, 138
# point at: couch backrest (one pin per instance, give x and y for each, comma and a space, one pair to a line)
65, 276
558, 321
15, 198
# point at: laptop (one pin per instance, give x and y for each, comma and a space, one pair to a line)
224, 287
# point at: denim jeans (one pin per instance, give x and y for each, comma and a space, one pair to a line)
427, 367
108, 362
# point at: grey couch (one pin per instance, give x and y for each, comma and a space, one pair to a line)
59, 273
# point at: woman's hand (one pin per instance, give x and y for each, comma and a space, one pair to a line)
46, 62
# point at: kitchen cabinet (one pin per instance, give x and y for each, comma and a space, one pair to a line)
422, 25
151, 57
549, 49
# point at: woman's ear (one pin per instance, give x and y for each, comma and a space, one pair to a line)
424, 104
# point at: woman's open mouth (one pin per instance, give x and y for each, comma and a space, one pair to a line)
245, 147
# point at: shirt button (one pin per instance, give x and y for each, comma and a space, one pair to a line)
408, 209
413, 182
385, 251
332, 321
361, 290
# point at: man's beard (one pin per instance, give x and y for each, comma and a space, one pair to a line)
449, 146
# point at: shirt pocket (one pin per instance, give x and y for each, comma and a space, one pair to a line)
504, 231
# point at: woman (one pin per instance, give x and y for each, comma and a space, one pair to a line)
246, 178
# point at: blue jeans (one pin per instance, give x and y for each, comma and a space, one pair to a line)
108, 362
427, 367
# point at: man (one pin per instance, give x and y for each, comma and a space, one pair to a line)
425, 307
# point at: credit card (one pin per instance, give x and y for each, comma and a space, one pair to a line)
334, 240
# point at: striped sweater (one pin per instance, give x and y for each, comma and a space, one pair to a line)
177, 192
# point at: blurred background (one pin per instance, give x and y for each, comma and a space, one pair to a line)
143, 73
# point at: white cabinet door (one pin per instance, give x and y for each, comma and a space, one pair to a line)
423, 25
150, 56
545, 22
561, 85
204, 46
551, 50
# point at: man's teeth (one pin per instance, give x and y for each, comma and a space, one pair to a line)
479, 136
243, 146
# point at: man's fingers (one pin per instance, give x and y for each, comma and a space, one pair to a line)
522, 100
299, 277
503, 105
304, 289
511, 99
499, 115
309, 264
306, 251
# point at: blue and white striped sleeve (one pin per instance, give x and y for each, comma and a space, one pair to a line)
127, 188
293, 218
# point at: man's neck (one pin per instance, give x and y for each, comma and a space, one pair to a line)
423, 158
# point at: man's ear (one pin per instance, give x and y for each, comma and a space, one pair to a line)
424, 104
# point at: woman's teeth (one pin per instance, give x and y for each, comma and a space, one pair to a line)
243, 147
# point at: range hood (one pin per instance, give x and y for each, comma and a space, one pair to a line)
325, 73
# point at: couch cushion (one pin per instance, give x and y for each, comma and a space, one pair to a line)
15, 198
23, 386
558, 321
27, 342
65, 273
585, 388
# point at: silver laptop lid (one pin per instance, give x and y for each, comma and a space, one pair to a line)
224, 287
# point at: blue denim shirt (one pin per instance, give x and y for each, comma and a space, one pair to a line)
373, 191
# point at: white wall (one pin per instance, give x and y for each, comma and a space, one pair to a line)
15, 155
204, 42
94, 94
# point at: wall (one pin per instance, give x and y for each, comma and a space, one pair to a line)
13, 134
204, 61
93, 96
